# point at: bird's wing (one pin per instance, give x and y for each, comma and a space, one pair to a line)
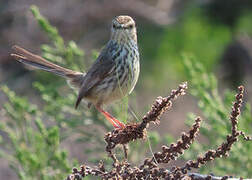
101, 68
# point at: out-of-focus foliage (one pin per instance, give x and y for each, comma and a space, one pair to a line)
216, 126
194, 33
33, 150
227, 12
243, 25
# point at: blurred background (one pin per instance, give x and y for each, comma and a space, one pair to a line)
216, 33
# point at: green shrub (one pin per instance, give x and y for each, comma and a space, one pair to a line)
216, 125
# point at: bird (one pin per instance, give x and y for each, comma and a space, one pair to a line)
111, 77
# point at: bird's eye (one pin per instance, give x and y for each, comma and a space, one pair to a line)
131, 26
114, 26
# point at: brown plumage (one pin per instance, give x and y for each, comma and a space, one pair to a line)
112, 76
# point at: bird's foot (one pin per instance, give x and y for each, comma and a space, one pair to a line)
115, 122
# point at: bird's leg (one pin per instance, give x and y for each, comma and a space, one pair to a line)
115, 122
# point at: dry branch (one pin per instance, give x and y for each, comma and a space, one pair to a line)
138, 131
150, 169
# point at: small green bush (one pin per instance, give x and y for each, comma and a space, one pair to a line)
216, 125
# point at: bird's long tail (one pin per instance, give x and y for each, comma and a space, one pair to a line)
74, 78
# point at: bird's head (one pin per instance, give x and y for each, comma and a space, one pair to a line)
123, 29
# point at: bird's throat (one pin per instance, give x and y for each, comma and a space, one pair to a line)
123, 38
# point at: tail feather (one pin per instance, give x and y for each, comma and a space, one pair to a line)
36, 61
77, 102
38, 65
74, 78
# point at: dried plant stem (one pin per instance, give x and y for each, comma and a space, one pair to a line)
175, 149
224, 148
149, 169
138, 131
